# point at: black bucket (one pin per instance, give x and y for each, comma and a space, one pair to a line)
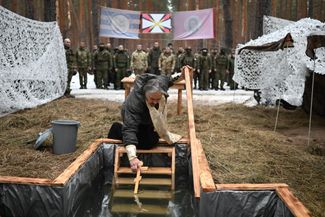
64, 136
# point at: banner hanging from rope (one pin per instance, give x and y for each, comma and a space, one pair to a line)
116, 23
156, 23
193, 24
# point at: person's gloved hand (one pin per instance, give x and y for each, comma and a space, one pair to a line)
135, 163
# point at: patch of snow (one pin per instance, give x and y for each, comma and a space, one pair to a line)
209, 97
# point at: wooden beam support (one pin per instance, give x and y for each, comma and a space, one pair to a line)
250, 187
74, 166
25, 180
161, 141
192, 135
206, 179
295, 206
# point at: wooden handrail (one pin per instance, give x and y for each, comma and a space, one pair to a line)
202, 177
250, 187
295, 206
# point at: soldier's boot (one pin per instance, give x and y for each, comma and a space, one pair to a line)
221, 85
85, 81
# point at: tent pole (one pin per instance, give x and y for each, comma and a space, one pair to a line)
311, 103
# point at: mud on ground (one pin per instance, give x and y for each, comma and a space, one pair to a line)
239, 142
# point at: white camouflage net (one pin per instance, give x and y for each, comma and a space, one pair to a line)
272, 24
33, 67
279, 74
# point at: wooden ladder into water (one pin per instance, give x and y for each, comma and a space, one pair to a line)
156, 200
168, 173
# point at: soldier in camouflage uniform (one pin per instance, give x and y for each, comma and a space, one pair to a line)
139, 61
121, 65
153, 58
71, 63
221, 67
83, 59
204, 69
196, 74
213, 72
94, 51
179, 55
103, 63
231, 63
167, 62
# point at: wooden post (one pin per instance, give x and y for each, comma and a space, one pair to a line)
192, 136
179, 102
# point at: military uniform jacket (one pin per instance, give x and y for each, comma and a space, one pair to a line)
205, 63
231, 65
221, 63
83, 58
103, 60
70, 58
121, 60
186, 59
139, 60
153, 58
167, 62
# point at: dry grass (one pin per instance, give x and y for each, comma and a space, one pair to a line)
239, 142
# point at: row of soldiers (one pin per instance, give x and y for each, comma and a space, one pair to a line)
110, 66
210, 70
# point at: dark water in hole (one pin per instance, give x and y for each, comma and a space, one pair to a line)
98, 202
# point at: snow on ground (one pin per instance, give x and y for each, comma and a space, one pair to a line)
210, 97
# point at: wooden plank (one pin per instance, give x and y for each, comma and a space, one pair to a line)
25, 180
145, 181
116, 162
161, 141
155, 150
73, 168
183, 140
206, 179
173, 168
107, 140
150, 170
192, 135
179, 102
145, 194
250, 187
295, 206
146, 209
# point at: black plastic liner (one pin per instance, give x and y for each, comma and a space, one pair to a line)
88, 192
242, 204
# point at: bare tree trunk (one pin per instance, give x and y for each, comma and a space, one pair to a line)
228, 23
49, 11
29, 9
310, 8
263, 8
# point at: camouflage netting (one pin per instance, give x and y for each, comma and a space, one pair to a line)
279, 74
32, 62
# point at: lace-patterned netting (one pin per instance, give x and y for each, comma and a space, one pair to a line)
279, 74
272, 24
32, 62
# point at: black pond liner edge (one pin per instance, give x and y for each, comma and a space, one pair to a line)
26, 200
